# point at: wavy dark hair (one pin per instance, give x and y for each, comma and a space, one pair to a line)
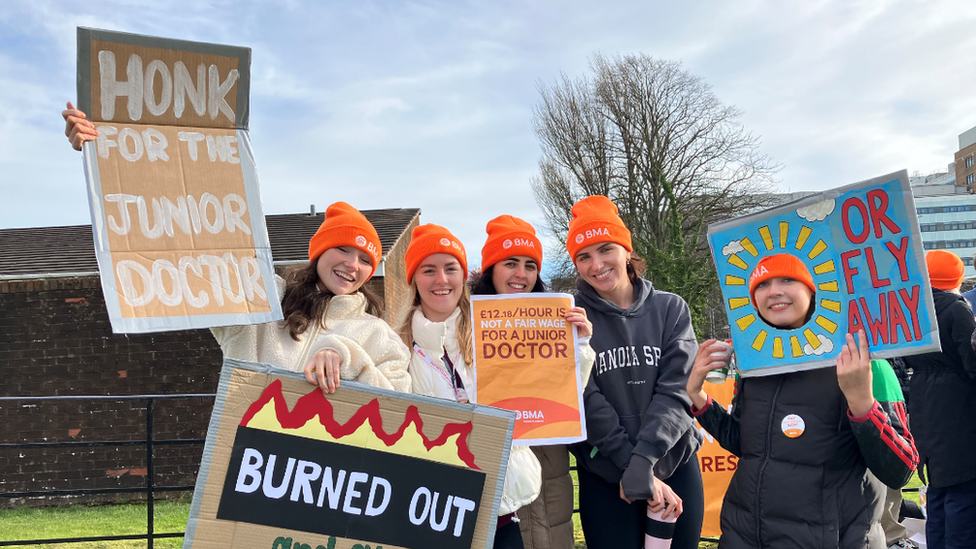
482, 284
304, 303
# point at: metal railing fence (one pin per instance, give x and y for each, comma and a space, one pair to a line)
150, 488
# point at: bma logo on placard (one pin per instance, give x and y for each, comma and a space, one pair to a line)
531, 416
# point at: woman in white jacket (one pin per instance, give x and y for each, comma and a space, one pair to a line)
437, 324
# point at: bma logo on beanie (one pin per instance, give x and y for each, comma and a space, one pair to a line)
579, 238
507, 244
525, 242
759, 272
360, 240
445, 242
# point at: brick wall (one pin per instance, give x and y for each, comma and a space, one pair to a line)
55, 339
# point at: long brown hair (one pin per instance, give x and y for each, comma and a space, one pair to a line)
463, 326
304, 303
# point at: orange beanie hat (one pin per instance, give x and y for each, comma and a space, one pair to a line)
595, 220
945, 269
779, 265
430, 239
509, 236
345, 226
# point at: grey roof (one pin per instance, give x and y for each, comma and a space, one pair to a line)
63, 250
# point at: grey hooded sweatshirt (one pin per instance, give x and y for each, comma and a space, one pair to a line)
635, 400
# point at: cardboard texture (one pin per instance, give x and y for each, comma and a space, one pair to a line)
525, 361
286, 466
179, 230
717, 463
862, 246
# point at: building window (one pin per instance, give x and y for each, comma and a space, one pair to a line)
969, 161
970, 179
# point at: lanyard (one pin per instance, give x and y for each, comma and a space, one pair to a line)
454, 380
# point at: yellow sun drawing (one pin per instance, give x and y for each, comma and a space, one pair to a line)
776, 238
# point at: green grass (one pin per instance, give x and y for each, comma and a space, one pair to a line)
95, 520
170, 516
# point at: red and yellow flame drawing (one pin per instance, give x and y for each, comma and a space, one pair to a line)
364, 429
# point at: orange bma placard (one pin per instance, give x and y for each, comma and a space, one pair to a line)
525, 361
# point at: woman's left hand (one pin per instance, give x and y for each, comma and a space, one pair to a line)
854, 374
577, 317
323, 370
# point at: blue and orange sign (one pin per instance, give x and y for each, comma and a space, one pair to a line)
862, 246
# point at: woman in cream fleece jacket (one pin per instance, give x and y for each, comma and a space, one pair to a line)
331, 331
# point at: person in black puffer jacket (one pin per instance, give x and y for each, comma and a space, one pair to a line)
943, 395
812, 445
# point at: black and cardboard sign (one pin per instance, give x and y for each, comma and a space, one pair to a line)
286, 466
180, 235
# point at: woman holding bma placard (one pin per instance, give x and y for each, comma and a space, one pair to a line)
641, 442
510, 261
437, 325
806, 440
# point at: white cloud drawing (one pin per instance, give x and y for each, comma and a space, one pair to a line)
826, 346
732, 247
816, 212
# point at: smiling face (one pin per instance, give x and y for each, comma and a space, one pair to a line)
515, 275
604, 266
343, 270
440, 282
783, 302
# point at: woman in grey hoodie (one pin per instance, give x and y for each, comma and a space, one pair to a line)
641, 443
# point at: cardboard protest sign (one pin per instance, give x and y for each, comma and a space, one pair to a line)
862, 246
525, 361
179, 230
717, 464
286, 466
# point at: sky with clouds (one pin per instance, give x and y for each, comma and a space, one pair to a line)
429, 104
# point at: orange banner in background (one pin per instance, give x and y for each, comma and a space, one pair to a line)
717, 463
525, 361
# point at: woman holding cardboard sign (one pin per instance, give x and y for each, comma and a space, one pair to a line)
806, 440
437, 324
331, 330
510, 263
641, 440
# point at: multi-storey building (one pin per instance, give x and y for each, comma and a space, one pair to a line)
947, 216
965, 168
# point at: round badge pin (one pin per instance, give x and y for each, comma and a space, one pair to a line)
793, 426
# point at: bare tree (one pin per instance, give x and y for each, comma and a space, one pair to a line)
655, 140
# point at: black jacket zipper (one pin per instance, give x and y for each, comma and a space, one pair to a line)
765, 459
